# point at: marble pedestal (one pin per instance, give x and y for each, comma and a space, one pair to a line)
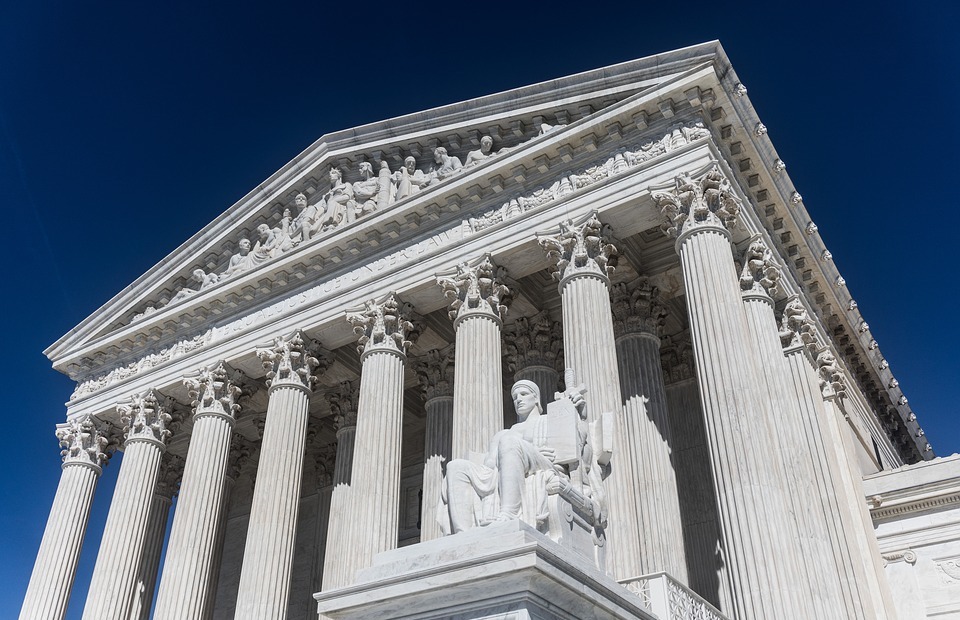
505, 570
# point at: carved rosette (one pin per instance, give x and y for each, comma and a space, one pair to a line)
217, 390
832, 382
760, 272
292, 361
344, 402
85, 441
637, 310
796, 326
477, 289
383, 326
435, 373
147, 417
707, 201
534, 341
169, 475
583, 249
676, 360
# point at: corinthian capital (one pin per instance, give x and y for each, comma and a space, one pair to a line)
534, 341
477, 289
695, 202
292, 361
435, 373
147, 416
581, 248
383, 326
169, 475
637, 309
796, 326
216, 390
760, 272
832, 382
344, 402
84, 441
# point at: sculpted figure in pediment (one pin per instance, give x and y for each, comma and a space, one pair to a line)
485, 151
272, 242
408, 179
373, 193
240, 261
337, 204
203, 280
444, 165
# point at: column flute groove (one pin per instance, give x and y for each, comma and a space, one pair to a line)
343, 404
435, 371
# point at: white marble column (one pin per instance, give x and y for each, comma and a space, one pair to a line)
114, 584
85, 453
343, 404
184, 587
268, 554
585, 259
534, 352
384, 331
168, 481
798, 337
436, 375
638, 318
325, 460
479, 301
756, 545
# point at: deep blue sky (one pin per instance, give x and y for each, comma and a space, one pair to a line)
125, 130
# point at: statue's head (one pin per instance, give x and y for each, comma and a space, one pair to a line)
244, 246
411, 164
526, 398
439, 153
300, 200
366, 168
486, 143
335, 175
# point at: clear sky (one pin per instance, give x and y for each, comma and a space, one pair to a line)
125, 130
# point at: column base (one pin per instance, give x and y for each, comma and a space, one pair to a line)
487, 572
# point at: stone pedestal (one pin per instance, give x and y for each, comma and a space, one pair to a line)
268, 555
189, 566
638, 315
115, 583
505, 570
479, 303
84, 454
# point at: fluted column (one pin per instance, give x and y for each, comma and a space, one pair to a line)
115, 582
384, 331
436, 375
534, 352
343, 403
268, 554
184, 586
325, 461
638, 318
751, 504
85, 452
478, 304
168, 482
585, 258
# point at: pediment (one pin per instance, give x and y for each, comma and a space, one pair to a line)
534, 131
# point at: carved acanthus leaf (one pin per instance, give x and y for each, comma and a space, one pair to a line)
325, 463
241, 449
435, 372
676, 358
294, 360
796, 326
383, 326
832, 381
85, 440
637, 309
694, 202
581, 248
169, 475
344, 402
217, 390
478, 288
534, 341
147, 416
760, 272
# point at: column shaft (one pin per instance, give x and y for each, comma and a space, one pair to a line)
436, 452
478, 383
646, 429
217, 564
152, 550
751, 505
115, 576
268, 556
335, 558
56, 566
184, 586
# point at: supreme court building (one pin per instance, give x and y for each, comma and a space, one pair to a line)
313, 388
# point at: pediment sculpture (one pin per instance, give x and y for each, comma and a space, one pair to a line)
542, 470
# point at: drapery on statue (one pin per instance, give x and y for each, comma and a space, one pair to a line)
542, 470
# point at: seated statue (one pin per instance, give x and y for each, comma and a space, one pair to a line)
444, 165
338, 204
201, 277
485, 151
529, 469
408, 179
239, 262
373, 193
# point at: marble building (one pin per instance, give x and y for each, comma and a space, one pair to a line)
572, 349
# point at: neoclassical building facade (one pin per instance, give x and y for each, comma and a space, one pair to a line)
289, 386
